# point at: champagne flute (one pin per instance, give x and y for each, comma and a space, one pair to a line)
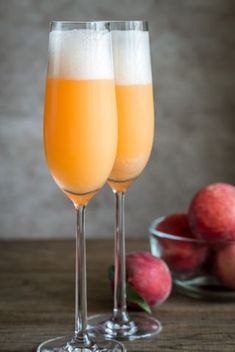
134, 95
80, 137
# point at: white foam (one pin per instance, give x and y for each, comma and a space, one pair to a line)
80, 54
131, 53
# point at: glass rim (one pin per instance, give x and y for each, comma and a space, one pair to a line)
72, 25
77, 22
129, 21
126, 25
111, 25
100, 21
157, 233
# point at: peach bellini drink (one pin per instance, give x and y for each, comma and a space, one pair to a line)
80, 116
70, 142
135, 123
134, 94
80, 140
135, 128
135, 107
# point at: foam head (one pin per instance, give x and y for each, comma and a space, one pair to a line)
80, 54
131, 53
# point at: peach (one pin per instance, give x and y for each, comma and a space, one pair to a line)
149, 276
175, 224
224, 265
181, 256
212, 212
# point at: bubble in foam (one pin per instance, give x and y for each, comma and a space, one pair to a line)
131, 53
80, 54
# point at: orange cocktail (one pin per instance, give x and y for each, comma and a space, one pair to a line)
80, 133
135, 133
134, 95
80, 122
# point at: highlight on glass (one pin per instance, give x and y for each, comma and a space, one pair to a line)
80, 140
134, 95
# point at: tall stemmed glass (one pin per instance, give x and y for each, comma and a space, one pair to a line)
80, 137
134, 94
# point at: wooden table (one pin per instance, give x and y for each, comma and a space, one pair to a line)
37, 300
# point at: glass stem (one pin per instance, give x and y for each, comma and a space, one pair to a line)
81, 336
120, 314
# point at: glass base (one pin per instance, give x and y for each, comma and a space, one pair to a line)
139, 326
205, 287
65, 344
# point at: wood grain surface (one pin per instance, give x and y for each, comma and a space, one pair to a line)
37, 300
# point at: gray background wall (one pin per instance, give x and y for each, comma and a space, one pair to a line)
193, 54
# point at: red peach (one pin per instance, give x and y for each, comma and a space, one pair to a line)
224, 265
181, 256
149, 276
212, 212
175, 224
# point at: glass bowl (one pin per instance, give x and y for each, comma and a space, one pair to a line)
191, 263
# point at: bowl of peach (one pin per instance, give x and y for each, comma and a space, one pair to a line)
199, 245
